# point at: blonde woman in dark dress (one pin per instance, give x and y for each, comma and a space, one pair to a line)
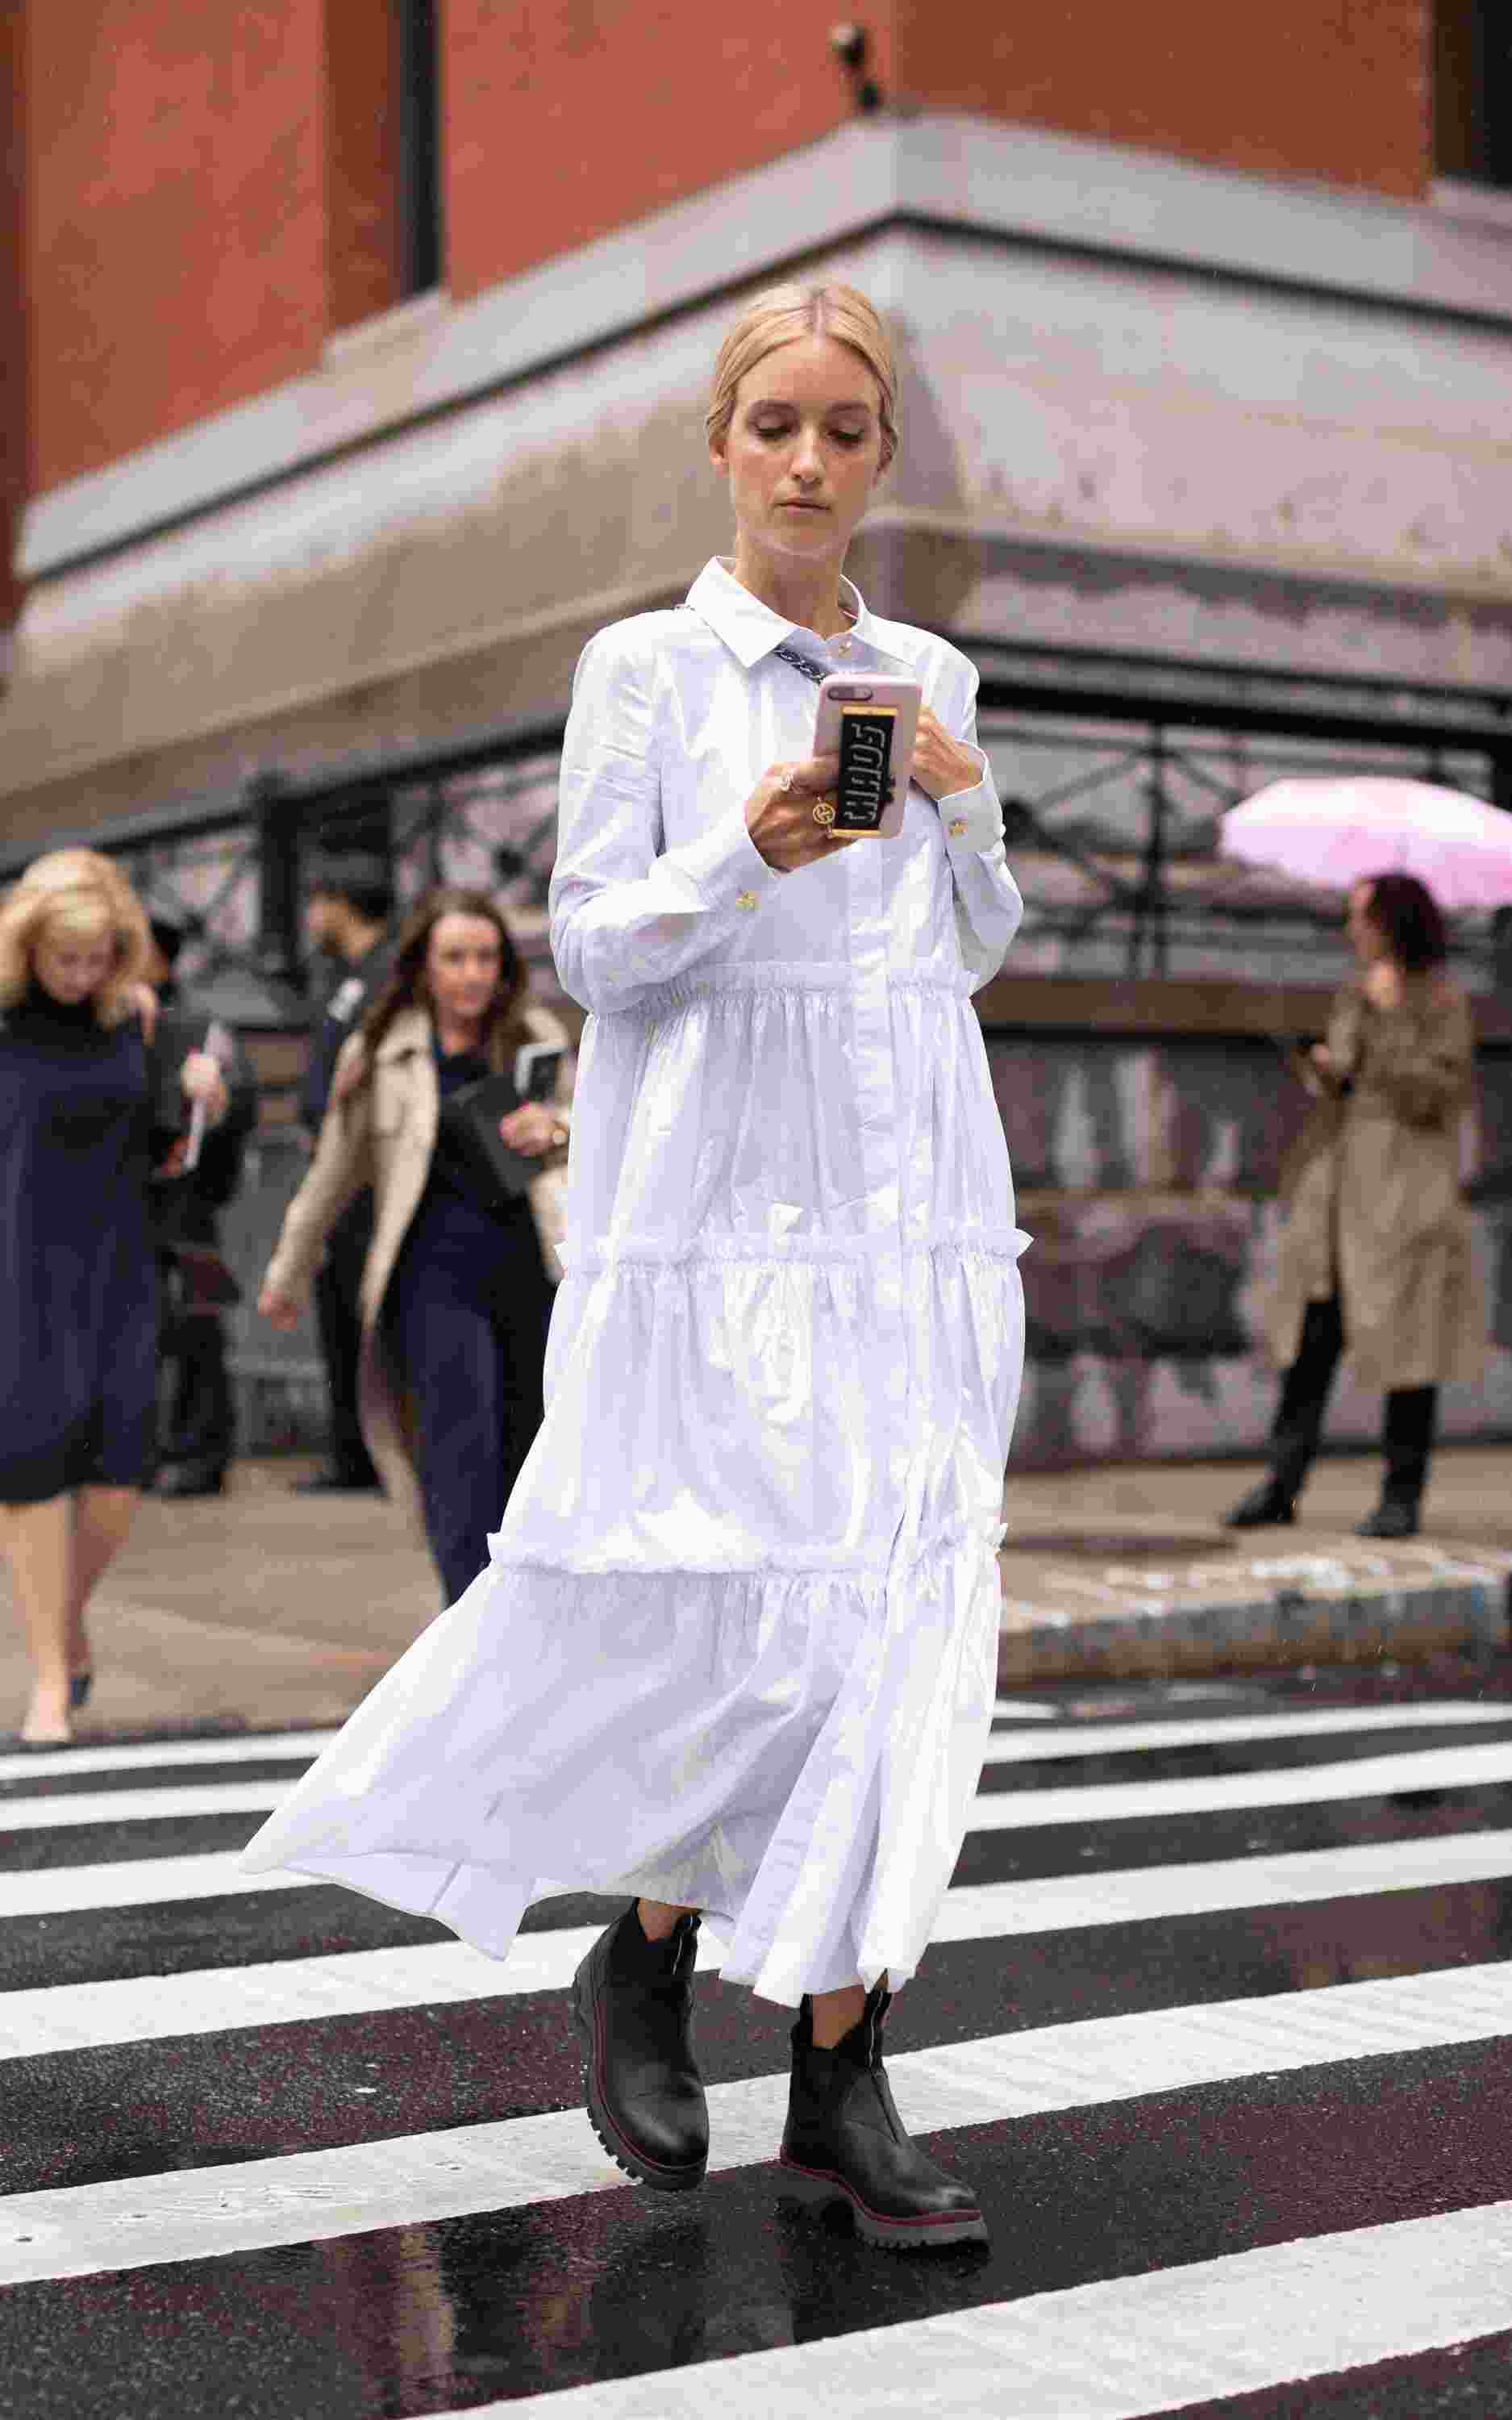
78, 1350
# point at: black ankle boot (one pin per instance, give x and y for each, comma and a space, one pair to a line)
632, 2003
844, 2142
1264, 1505
1395, 1516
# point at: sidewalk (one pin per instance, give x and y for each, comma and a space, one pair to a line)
266, 1607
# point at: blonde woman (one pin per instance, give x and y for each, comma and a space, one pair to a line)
735, 1653
78, 1348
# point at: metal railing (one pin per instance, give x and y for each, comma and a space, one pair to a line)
1115, 772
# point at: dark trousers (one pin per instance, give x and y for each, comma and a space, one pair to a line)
469, 1329
1411, 1412
338, 1286
197, 1419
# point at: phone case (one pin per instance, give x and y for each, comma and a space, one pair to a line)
872, 722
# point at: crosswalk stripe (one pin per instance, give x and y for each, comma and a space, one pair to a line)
1142, 1894
137, 1882
1368, 1777
140, 1806
418, 2179
128, 1756
355, 1982
1111, 1739
1450, 1768
1116, 2350
351, 1982
1377, 1776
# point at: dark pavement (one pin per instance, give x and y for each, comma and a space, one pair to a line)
1216, 2018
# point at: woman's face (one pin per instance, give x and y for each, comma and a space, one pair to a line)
71, 965
803, 449
463, 961
1369, 942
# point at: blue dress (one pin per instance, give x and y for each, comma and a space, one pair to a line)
78, 1350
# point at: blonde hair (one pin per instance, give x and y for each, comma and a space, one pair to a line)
74, 891
782, 316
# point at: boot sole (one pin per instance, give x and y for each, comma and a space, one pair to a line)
819, 2189
623, 2153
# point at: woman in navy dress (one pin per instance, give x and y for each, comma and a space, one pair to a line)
78, 1350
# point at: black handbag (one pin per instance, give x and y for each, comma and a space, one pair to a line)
470, 1120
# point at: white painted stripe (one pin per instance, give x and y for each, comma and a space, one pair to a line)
1035, 1708
137, 1882
1118, 2349
127, 1756
416, 2179
140, 1806
79, 2016
1370, 1776
292, 1991
1111, 1739
1140, 1894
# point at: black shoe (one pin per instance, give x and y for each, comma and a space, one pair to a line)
1392, 1518
1263, 1506
336, 1479
188, 1479
632, 2003
844, 2142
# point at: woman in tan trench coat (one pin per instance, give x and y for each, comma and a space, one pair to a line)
456, 1287
1376, 1258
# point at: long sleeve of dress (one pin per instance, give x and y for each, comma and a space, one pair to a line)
988, 907
628, 915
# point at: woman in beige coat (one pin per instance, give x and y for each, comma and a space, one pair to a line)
456, 1288
1376, 1258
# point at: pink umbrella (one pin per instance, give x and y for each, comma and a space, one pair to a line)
1341, 831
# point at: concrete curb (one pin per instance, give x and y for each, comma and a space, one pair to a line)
1334, 1600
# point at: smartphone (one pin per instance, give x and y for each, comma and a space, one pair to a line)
870, 725
535, 1070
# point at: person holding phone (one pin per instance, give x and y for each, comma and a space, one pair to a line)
456, 1288
735, 1653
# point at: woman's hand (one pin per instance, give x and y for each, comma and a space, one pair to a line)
535, 1129
202, 1080
942, 764
780, 813
277, 1307
1384, 986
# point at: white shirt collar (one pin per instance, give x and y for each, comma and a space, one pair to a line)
750, 629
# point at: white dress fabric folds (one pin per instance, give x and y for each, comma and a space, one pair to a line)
736, 1644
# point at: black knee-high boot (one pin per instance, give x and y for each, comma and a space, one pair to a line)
1297, 1423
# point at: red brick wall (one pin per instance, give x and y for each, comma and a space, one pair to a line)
177, 244
1333, 89
13, 307
568, 117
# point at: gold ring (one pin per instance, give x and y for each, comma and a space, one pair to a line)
823, 811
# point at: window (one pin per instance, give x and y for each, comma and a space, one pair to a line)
420, 147
383, 119
1473, 91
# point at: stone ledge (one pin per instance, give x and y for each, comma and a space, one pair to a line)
1158, 1603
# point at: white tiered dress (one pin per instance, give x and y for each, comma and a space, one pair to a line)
735, 1645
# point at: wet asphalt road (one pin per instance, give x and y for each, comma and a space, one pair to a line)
1218, 2026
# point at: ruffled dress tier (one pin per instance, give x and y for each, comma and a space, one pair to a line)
735, 1646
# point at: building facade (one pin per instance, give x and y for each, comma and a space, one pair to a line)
365, 345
